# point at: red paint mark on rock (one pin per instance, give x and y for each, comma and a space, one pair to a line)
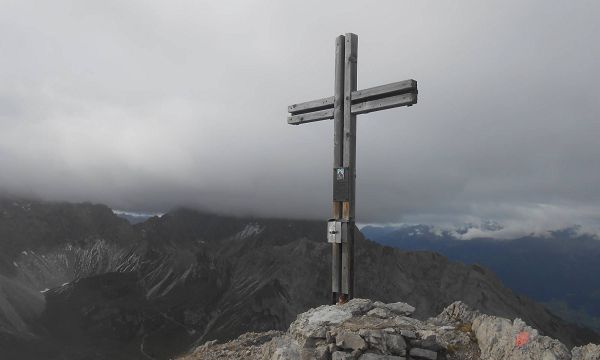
522, 339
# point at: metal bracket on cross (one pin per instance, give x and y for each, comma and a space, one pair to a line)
343, 107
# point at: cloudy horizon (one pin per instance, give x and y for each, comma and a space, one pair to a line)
146, 106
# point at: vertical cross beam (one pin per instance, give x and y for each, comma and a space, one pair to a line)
338, 159
340, 108
349, 161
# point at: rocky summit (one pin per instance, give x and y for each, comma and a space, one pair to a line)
371, 330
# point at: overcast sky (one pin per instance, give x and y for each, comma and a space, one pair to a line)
146, 105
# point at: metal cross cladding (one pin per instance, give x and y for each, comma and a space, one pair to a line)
343, 107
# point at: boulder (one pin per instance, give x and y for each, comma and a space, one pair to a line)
418, 353
499, 338
351, 341
371, 356
587, 352
340, 355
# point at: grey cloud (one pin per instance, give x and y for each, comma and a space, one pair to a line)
149, 105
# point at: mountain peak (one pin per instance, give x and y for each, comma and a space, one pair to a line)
371, 330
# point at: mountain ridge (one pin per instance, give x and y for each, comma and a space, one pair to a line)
187, 277
553, 269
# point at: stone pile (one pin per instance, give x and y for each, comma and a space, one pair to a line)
370, 330
365, 330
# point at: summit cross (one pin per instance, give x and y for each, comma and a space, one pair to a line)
343, 107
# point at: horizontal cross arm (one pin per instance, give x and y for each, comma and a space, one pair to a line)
310, 106
397, 88
402, 93
310, 117
384, 103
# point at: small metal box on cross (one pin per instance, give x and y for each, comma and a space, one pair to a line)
343, 107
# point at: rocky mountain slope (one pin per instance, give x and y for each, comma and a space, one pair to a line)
78, 282
552, 268
366, 330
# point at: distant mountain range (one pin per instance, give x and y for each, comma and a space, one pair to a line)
79, 282
558, 269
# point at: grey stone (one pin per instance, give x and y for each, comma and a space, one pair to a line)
348, 340
429, 343
458, 311
400, 308
587, 352
357, 306
312, 325
423, 354
380, 312
321, 353
497, 336
405, 322
282, 348
356, 354
408, 334
395, 344
374, 338
371, 356
384, 342
340, 355
329, 337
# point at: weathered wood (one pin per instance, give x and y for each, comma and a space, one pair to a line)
397, 88
384, 103
408, 99
338, 128
310, 106
310, 117
349, 150
338, 103
343, 107
402, 93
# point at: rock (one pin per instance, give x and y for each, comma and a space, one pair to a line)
408, 334
429, 343
281, 348
371, 356
355, 331
384, 342
395, 344
380, 312
357, 306
356, 354
329, 337
312, 325
458, 311
348, 340
398, 308
401, 308
587, 352
374, 338
340, 355
500, 338
321, 353
423, 354
406, 322
209, 343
